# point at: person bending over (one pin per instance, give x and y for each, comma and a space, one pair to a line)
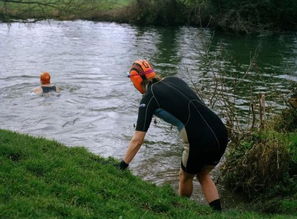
204, 134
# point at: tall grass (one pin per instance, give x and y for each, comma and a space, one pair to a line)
263, 166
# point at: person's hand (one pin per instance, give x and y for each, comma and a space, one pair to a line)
123, 165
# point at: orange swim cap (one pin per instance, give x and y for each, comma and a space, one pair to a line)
140, 70
45, 78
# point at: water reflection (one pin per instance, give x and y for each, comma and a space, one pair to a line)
167, 55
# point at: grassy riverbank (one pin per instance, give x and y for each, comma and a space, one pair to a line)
43, 178
62, 10
232, 15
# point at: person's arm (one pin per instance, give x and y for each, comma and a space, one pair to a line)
37, 90
134, 146
145, 113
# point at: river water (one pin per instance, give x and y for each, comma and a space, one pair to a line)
97, 107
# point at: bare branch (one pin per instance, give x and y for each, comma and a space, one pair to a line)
30, 3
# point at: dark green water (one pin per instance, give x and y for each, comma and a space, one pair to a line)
98, 105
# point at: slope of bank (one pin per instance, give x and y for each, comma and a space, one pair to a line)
43, 178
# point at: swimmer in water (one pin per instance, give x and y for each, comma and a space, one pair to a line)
46, 86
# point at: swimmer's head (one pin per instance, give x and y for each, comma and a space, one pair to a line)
140, 72
45, 78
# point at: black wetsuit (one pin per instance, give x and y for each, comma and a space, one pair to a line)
207, 135
47, 89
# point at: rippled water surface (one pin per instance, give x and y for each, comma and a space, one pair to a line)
97, 107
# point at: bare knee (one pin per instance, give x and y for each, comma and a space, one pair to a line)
208, 187
203, 179
184, 177
185, 184
204, 176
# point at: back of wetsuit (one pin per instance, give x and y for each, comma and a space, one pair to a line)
46, 89
176, 97
206, 132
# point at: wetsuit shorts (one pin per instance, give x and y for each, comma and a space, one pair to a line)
204, 134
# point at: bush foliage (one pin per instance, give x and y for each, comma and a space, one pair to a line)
247, 15
257, 164
263, 165
286, 121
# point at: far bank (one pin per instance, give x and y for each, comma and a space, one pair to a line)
232, 16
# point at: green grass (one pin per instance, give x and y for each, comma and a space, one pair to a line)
64, 9
40, 178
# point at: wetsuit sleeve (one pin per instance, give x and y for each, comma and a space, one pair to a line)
168, 117
146, 110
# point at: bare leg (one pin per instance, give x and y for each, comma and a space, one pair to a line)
185, 183
208, 187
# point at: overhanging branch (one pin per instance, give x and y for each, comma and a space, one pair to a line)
47, 4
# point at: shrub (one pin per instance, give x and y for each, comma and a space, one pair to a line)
256, 165
157, 12
286, 121
248, 15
